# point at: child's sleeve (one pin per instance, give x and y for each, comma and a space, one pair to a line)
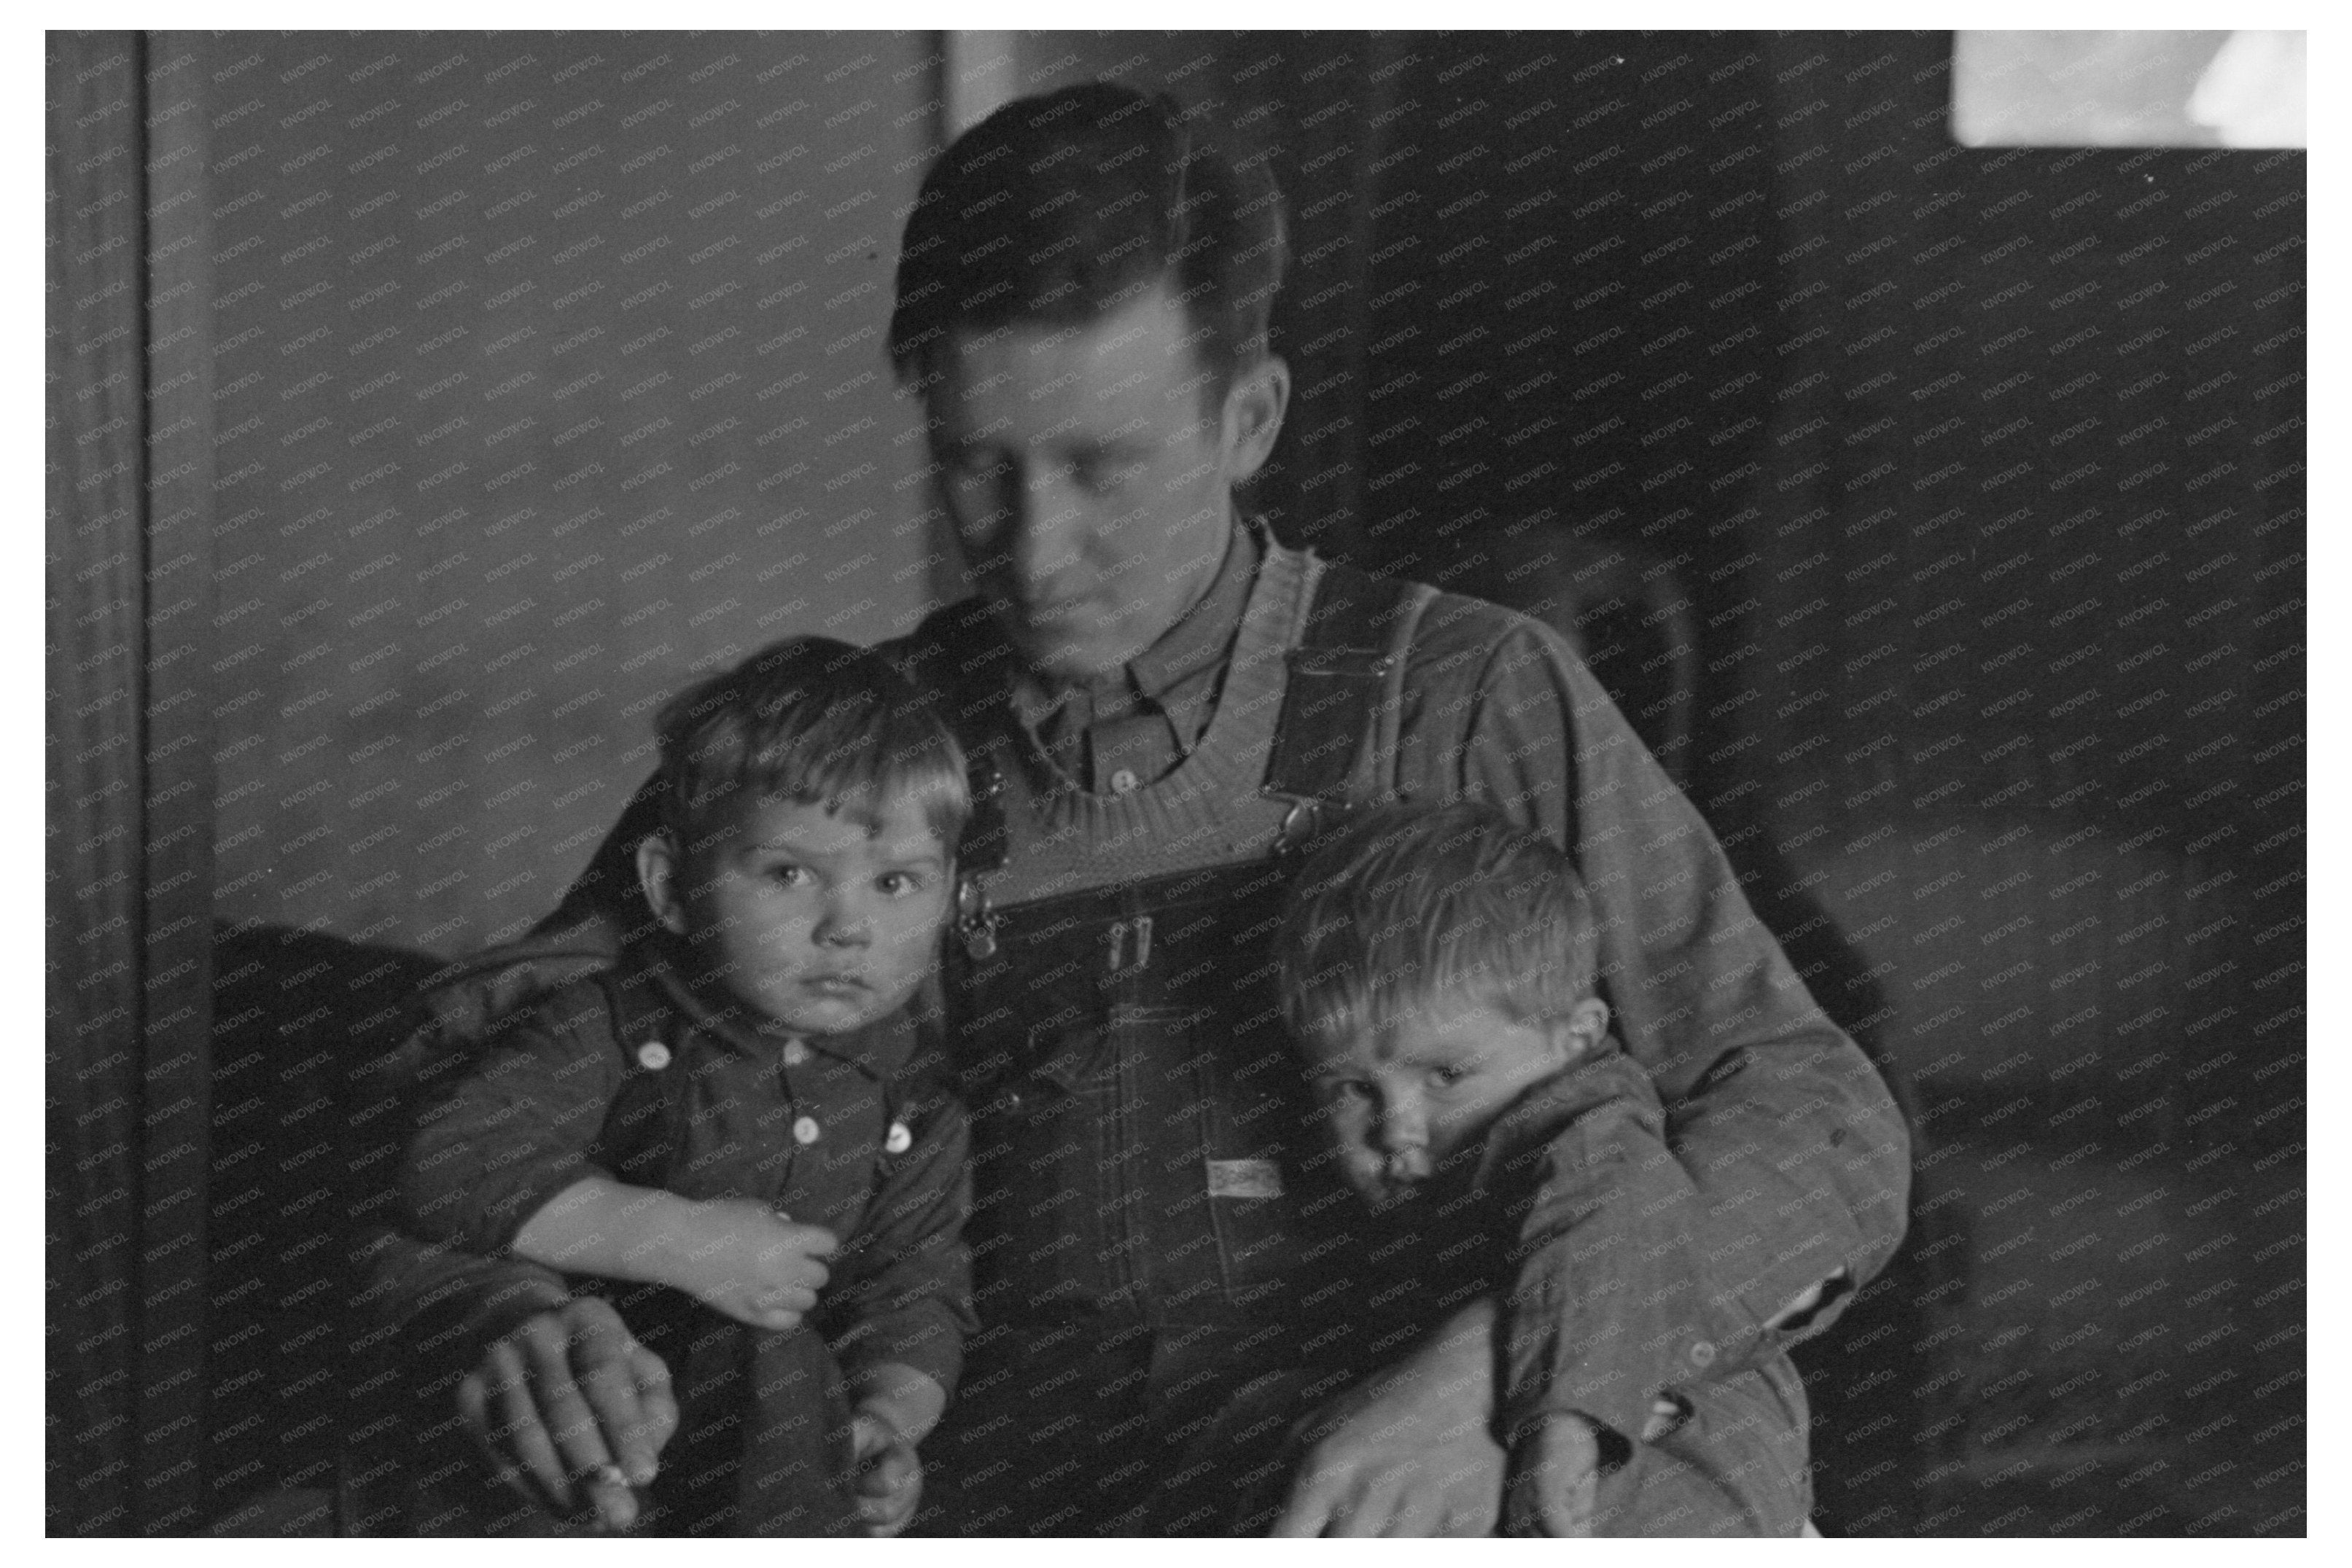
901, 1289
1603, 1257
514, 1130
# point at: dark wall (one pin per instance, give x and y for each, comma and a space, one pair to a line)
1981, 474
549, 369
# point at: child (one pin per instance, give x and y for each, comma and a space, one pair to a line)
1437, 971
730, 1127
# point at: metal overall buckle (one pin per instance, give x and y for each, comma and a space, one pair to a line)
975, 921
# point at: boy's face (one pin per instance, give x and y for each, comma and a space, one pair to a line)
1402, 1101
820, 920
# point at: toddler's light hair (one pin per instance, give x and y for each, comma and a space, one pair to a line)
1410, 906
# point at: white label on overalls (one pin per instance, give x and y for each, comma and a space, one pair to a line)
1245, 1178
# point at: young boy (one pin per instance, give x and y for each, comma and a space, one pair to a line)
730, 1128
1437, 970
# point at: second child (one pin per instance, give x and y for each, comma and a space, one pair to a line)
1437, 972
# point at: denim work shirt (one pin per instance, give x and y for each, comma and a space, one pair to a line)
633, 1076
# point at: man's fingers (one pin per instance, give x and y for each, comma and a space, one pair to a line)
578, 1451
607, 1378
1309, 1507
641, 1445
1419, 1511
473, 1411
519, 1437
1365, 1513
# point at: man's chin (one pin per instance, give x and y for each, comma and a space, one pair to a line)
1076, 658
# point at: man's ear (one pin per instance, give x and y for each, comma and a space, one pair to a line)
1255, 405
658, 874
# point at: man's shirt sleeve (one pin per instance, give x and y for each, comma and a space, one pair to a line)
1797, 1156
901, 1289
515, 1130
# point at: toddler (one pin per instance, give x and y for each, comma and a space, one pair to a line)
731, 1133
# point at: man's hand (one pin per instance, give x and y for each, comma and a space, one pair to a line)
1554, 1472
1406, 1452
571, 1411
889, 1476
746, 1260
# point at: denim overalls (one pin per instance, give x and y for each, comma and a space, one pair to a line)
1150, 1221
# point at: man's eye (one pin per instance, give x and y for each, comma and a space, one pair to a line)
1102, 478
1448, 1077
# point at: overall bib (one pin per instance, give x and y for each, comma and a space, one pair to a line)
1155, 1239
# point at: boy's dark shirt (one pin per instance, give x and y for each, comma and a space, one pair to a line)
836, 1131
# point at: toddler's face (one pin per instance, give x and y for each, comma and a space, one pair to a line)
1402, 1100
820, 920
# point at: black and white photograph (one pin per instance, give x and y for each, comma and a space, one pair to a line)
1040, 784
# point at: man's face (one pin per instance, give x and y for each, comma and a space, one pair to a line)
1404, 1101
1089, 474
819, 920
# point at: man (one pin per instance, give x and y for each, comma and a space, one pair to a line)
1163, 702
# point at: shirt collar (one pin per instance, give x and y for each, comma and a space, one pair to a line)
653, 991
1202, 635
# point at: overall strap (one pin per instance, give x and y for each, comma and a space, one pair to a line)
1336, 739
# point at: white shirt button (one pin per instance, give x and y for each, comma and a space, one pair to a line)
899, 1141
804, 1131
1124, 782
653, 1056
795, 1052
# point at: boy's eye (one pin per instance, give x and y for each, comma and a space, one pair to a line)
788, 874
1342, 1090
898, 883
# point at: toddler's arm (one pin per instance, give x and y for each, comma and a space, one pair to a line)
734, 1255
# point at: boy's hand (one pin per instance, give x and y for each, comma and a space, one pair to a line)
889, 1476
742, 1258
1551, 1483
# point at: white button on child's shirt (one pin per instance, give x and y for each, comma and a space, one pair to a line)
1123, 782
804, 1129
794, 1053
653, 1056
899, 1141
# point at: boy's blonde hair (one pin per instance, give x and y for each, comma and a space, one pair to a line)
812, 721
1408, 904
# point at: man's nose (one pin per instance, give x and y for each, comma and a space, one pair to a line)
1043, 532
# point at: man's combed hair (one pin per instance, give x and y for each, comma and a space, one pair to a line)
1061, 209
1410, 905
812, 721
